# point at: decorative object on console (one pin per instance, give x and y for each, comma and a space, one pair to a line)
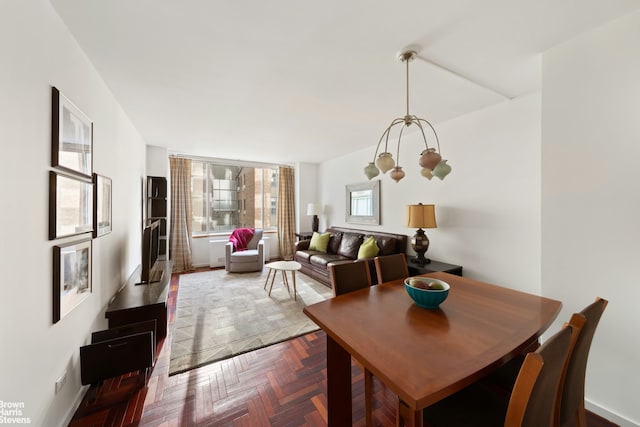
314, 209
150, 262
421, 216
430, 160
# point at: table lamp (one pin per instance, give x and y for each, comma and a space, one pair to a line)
314, 209
420, 216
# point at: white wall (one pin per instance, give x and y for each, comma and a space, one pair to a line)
591, 199
307, 191
38, 52
487, 209
157, 161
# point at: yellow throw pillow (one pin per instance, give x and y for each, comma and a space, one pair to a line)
319, 242
368, 249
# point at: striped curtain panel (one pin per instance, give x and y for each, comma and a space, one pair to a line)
180, 239
286, 214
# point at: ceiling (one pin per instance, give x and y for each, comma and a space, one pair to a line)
293, 80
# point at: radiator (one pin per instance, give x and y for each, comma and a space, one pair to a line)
267, 254
216, 253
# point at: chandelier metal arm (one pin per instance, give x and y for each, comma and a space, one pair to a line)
375, 155
418, 120
385, 136
398, 147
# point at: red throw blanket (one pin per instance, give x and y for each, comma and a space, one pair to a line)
240, 237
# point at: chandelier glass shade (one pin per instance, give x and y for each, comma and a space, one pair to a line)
430, 159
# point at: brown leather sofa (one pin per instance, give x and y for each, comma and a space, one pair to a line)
343, 247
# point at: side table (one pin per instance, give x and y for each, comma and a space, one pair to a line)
432, 267
283, 266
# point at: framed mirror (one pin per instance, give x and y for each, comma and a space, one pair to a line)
362, 204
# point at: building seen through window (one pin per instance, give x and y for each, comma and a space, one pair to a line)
225, 197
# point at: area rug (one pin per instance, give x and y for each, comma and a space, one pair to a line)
221, 314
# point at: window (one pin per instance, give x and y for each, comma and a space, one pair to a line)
225, 197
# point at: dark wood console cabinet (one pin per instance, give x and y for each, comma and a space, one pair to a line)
139, 302
137, 317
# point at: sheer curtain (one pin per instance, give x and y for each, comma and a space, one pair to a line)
286, 213
180, 240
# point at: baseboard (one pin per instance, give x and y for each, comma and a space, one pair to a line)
203, 265
76, 404
610, 416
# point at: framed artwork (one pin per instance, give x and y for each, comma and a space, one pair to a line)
101, 205
71, 276
71, 137
362, 203
70, 205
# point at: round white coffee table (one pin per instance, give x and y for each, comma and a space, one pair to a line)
282, 266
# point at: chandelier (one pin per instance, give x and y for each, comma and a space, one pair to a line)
430, 160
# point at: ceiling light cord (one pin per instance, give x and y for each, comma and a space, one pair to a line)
407, 61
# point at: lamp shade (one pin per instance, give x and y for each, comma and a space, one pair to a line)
421, 216
314, 209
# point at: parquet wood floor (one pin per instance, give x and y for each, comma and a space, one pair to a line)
280, 385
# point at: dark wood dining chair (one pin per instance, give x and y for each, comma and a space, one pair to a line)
391, 267
348, 277
533, 401
572, 401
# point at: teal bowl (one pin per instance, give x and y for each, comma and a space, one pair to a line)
426, 298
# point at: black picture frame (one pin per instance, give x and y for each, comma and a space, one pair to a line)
71, 137
102, 209
72, 269
70, 205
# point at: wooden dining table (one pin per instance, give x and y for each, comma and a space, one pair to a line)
424, 355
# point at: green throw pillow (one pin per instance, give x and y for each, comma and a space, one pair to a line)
319, 242
368, 249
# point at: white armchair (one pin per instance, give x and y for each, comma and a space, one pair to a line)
251, 259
